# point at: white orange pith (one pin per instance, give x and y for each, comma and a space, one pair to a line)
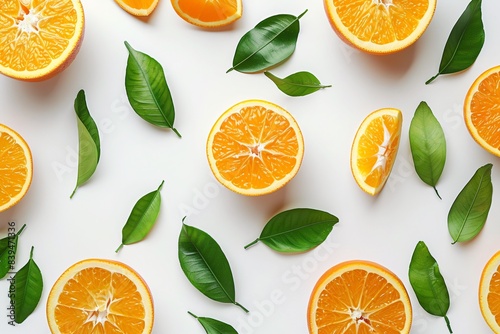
138, 7
208, 14
489, 293
39, 38
97, 296
255, 147
380, 26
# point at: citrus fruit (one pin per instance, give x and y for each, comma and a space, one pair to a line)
100, 296
359, 297
374, 149
16, 167
138, 7
482, 110
208, 14
489, 293
255, 147
39, 39
380, 26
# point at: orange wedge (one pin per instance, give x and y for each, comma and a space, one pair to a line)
489, 293
16, 167
96, 296
380, 26
39, 38
359, 297
208, 14
374, 149
482, 110
255, 147
138, 7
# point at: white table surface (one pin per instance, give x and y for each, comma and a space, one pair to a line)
136, 156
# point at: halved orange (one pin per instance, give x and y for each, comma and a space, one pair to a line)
97, 296
16, 167
482, 110
255, 147
359, 297
380, 26
489, 293
39, 38
374, 149
208, 14
138, 7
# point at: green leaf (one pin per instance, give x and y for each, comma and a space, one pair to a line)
428, 283
28, 286
147, 90
470, 209
464, 43
213, 326
428, 145
89, 150
142, 218
296, 230
8, 249
269, 43
297, 84
206, 266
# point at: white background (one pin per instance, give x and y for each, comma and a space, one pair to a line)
136, 157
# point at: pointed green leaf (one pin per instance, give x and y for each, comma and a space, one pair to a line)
205, 265
470, 209
297, 84
142, 218
28, 286
147, 90
8, 250
269, 43
213, 326
296, 230
428, 145
428, 283
464, 43
89, 150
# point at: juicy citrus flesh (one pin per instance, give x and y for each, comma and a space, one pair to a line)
359, 297
482, 110
375, 148
138, 7
489, 293
380, 26
208, 13
16, 167
255, 147
39, 38
96, 296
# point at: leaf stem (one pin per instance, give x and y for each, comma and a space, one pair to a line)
177, 132
298, 17
161, 185
437, 193
21, 230
192, 314
252, 243
71, 196
241, 306
448, 323
118, 249
432, 79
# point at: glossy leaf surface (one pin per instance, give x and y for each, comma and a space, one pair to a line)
297, 84
8, 250
214, 326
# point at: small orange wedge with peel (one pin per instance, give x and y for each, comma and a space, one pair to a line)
138, 7
208, 14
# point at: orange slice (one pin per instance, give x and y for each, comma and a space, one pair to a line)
138, 7
255, 147
374, 149
208, 14
39, 38
16, 167
489, 293
359, 297
96, 296
482, 110
380, 26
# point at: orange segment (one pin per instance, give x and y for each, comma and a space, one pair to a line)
39, 38
16, 167
482, 110
380, 26
138, 7
208, 13
374, 149
97, 296
255, 147
489, 293
359, 297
